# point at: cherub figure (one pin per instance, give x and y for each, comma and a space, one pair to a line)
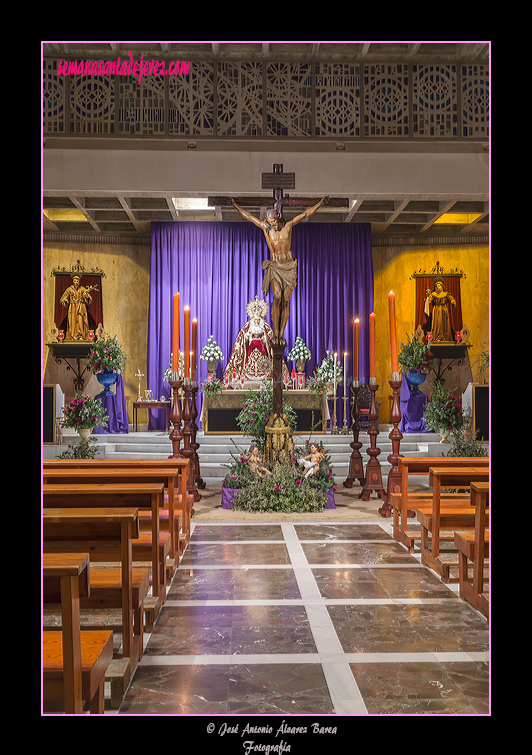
312, 461
254, 461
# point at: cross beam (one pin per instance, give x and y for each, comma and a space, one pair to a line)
270, 201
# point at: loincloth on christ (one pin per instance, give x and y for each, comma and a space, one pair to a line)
285, 273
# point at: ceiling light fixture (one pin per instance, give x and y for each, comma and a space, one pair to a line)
458, 218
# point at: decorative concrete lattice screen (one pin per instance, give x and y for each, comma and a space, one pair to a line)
267, 99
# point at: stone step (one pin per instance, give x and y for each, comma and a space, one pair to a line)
215, 451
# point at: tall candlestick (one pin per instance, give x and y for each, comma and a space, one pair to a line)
335, 355
355, 352
187, 341
372, 373
393, 335
175, 333
194, 346
345, 373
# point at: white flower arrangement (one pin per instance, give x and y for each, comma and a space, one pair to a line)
211, 351
180, 368
325, 371
300, 350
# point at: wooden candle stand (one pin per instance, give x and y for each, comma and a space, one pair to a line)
187, 452
194, 444
176, 435
373, 479
394, 475
356, 466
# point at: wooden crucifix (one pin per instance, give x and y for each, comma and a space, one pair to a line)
281, 269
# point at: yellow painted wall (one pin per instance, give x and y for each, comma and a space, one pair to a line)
125, 291
392, 268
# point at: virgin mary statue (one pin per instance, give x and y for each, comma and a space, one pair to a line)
252, 354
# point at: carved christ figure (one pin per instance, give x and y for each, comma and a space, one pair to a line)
281, 268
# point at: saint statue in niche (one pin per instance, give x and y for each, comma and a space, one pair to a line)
77, 298
252, 354
281, 268
438, 299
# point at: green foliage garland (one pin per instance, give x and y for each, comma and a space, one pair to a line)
257, 409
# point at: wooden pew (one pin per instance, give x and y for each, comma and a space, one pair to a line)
404, 503
73, 662
104, 533
154, 546
82, 476
440, 515
173, 472
474, 547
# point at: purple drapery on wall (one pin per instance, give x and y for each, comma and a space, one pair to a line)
216, 267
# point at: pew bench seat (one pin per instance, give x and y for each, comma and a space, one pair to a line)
96, 655
452, 518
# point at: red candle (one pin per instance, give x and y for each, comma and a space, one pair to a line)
372, 345
194, 346
293, 374
355, 351
393, 335
187, 341
175, 333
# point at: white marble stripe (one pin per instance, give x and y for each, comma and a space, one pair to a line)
313, 601
245, 567
331, 659
343, 689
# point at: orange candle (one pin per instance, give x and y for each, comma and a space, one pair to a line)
355, 352
393, 336
194, 345
372, 345
187, 341
175, 333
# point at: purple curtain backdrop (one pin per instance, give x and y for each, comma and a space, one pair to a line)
216, 267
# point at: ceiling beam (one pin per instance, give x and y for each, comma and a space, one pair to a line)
79, 203
398, 207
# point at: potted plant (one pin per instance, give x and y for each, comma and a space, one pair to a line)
105, 360
415, 361
300, 354
211, 353
443, 412
83, 414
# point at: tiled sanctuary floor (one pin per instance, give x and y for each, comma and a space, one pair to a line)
321, 620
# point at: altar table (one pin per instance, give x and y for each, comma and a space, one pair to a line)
219, 412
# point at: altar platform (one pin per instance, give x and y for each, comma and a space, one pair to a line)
215, 450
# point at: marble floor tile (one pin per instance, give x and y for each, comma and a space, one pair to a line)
356, 553
341, 532
213, 532
379, 583
256, 689
421, 688
234, 584
446, 627
248, 629
235, 554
